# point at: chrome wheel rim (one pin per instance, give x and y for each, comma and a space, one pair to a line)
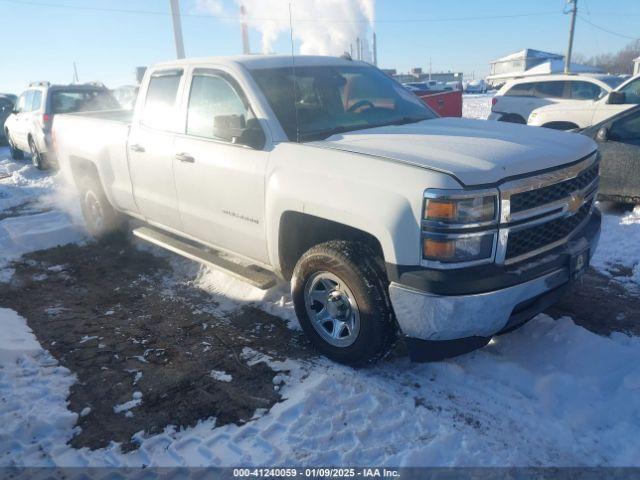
332, 309
94, 210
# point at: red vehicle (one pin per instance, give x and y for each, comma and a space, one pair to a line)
446, 103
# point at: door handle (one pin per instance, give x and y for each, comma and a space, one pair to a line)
136, 148
185, 157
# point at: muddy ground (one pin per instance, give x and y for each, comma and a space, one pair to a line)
108, 313
116, 317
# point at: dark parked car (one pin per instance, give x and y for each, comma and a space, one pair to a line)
619, 142
7, 103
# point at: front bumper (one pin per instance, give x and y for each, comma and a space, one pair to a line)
469, 320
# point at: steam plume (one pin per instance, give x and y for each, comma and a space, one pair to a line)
322, 27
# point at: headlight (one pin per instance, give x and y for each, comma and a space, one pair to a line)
459, 228
449, 208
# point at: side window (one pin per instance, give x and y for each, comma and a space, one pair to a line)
627, 128
36, 101
584, 91
21, 103
215, 108
520, 90
28, 101
552, 89
159, 110
632, 92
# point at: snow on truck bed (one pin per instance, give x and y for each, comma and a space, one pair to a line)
551, 393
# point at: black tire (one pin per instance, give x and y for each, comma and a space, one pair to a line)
13, 151
100, 217
37, 158
358, 267
512, 118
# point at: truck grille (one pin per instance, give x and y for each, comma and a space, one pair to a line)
534, 238
541, 196
541, 212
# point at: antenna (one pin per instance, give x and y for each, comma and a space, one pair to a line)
293, 71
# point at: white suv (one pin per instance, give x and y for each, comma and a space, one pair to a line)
564, 116
28, 128
515, 101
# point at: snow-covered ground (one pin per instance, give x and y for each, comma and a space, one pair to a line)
551, 393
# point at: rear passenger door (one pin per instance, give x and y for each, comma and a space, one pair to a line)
150, 149
19, 127
220, 180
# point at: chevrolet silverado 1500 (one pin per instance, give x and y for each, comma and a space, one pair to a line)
387, 220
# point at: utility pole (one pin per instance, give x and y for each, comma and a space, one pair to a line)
177, 28
574, 12
246, 49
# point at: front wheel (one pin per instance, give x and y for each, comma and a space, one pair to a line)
340, 294
15, 153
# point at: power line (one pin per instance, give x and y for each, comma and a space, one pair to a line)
607, 30
237, 17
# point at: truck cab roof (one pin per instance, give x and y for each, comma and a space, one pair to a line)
254, 62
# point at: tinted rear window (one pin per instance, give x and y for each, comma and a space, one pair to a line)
67, 101
551, 89
520, 90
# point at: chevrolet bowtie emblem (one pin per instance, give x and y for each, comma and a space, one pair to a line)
575, 202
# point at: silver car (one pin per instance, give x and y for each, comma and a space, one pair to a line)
28, 128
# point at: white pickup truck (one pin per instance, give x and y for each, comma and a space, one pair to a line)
324, 172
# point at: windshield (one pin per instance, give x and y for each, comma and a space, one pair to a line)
67, 101
613, 82
336, 99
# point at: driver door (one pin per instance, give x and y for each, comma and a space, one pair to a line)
220, 182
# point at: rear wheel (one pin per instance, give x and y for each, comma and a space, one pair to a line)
340, 294
100, 217
37, 158
13, 151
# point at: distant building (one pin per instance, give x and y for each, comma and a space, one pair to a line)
636, 66
531, 62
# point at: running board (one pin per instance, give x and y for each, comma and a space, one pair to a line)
251, 274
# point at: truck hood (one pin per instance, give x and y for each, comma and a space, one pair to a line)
474, 151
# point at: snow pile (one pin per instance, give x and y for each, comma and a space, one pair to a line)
620, 246
551, 393
221, 376
15, 340
477, 106
47, 212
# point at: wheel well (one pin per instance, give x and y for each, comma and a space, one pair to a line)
560, 125
298, 232
82, 168
512, 118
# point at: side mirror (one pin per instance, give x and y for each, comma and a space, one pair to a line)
253, 135
228, 126
603, 134
236, 129
617, 98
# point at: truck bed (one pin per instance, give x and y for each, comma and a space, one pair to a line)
122, 116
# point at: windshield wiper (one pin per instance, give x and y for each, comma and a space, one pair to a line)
324, 134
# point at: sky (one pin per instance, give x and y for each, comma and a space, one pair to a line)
43, 38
